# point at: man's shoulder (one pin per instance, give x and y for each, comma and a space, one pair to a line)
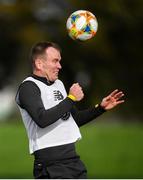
28, 81
29, 78
26, 88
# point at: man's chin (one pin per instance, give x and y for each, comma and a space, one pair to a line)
54, 79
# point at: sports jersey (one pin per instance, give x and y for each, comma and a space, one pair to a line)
63, 131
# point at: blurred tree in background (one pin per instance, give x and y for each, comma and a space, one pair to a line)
113, 59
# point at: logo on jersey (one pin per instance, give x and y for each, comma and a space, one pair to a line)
58, 95
65, 116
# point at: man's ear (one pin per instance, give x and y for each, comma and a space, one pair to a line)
38, 64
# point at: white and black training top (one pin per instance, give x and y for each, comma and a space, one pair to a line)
50, 117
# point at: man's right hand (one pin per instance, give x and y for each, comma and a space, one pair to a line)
76, 91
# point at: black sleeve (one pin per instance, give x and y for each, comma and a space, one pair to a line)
30, 100
85, 116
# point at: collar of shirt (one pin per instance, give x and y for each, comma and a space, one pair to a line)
42, 79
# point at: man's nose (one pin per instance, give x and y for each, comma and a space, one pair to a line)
59, 66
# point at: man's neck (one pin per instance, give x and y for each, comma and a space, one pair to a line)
42, 79
40, 74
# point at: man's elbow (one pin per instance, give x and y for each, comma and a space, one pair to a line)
40, 123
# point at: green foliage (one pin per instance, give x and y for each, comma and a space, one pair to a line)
15, 162
113, 151
109, 151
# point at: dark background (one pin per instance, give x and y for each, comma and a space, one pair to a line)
112, 59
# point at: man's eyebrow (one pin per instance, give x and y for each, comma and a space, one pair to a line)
56, 59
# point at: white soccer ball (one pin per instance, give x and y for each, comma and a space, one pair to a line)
82, 25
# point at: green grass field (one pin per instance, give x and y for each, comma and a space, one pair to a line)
109, 151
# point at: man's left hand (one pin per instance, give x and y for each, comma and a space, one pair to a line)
112, 100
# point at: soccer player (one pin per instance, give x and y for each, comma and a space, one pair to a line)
51, 118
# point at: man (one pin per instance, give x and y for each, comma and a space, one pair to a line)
51, 118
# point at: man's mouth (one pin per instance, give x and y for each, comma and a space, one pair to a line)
57, 72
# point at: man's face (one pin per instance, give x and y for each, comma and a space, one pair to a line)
51, 64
